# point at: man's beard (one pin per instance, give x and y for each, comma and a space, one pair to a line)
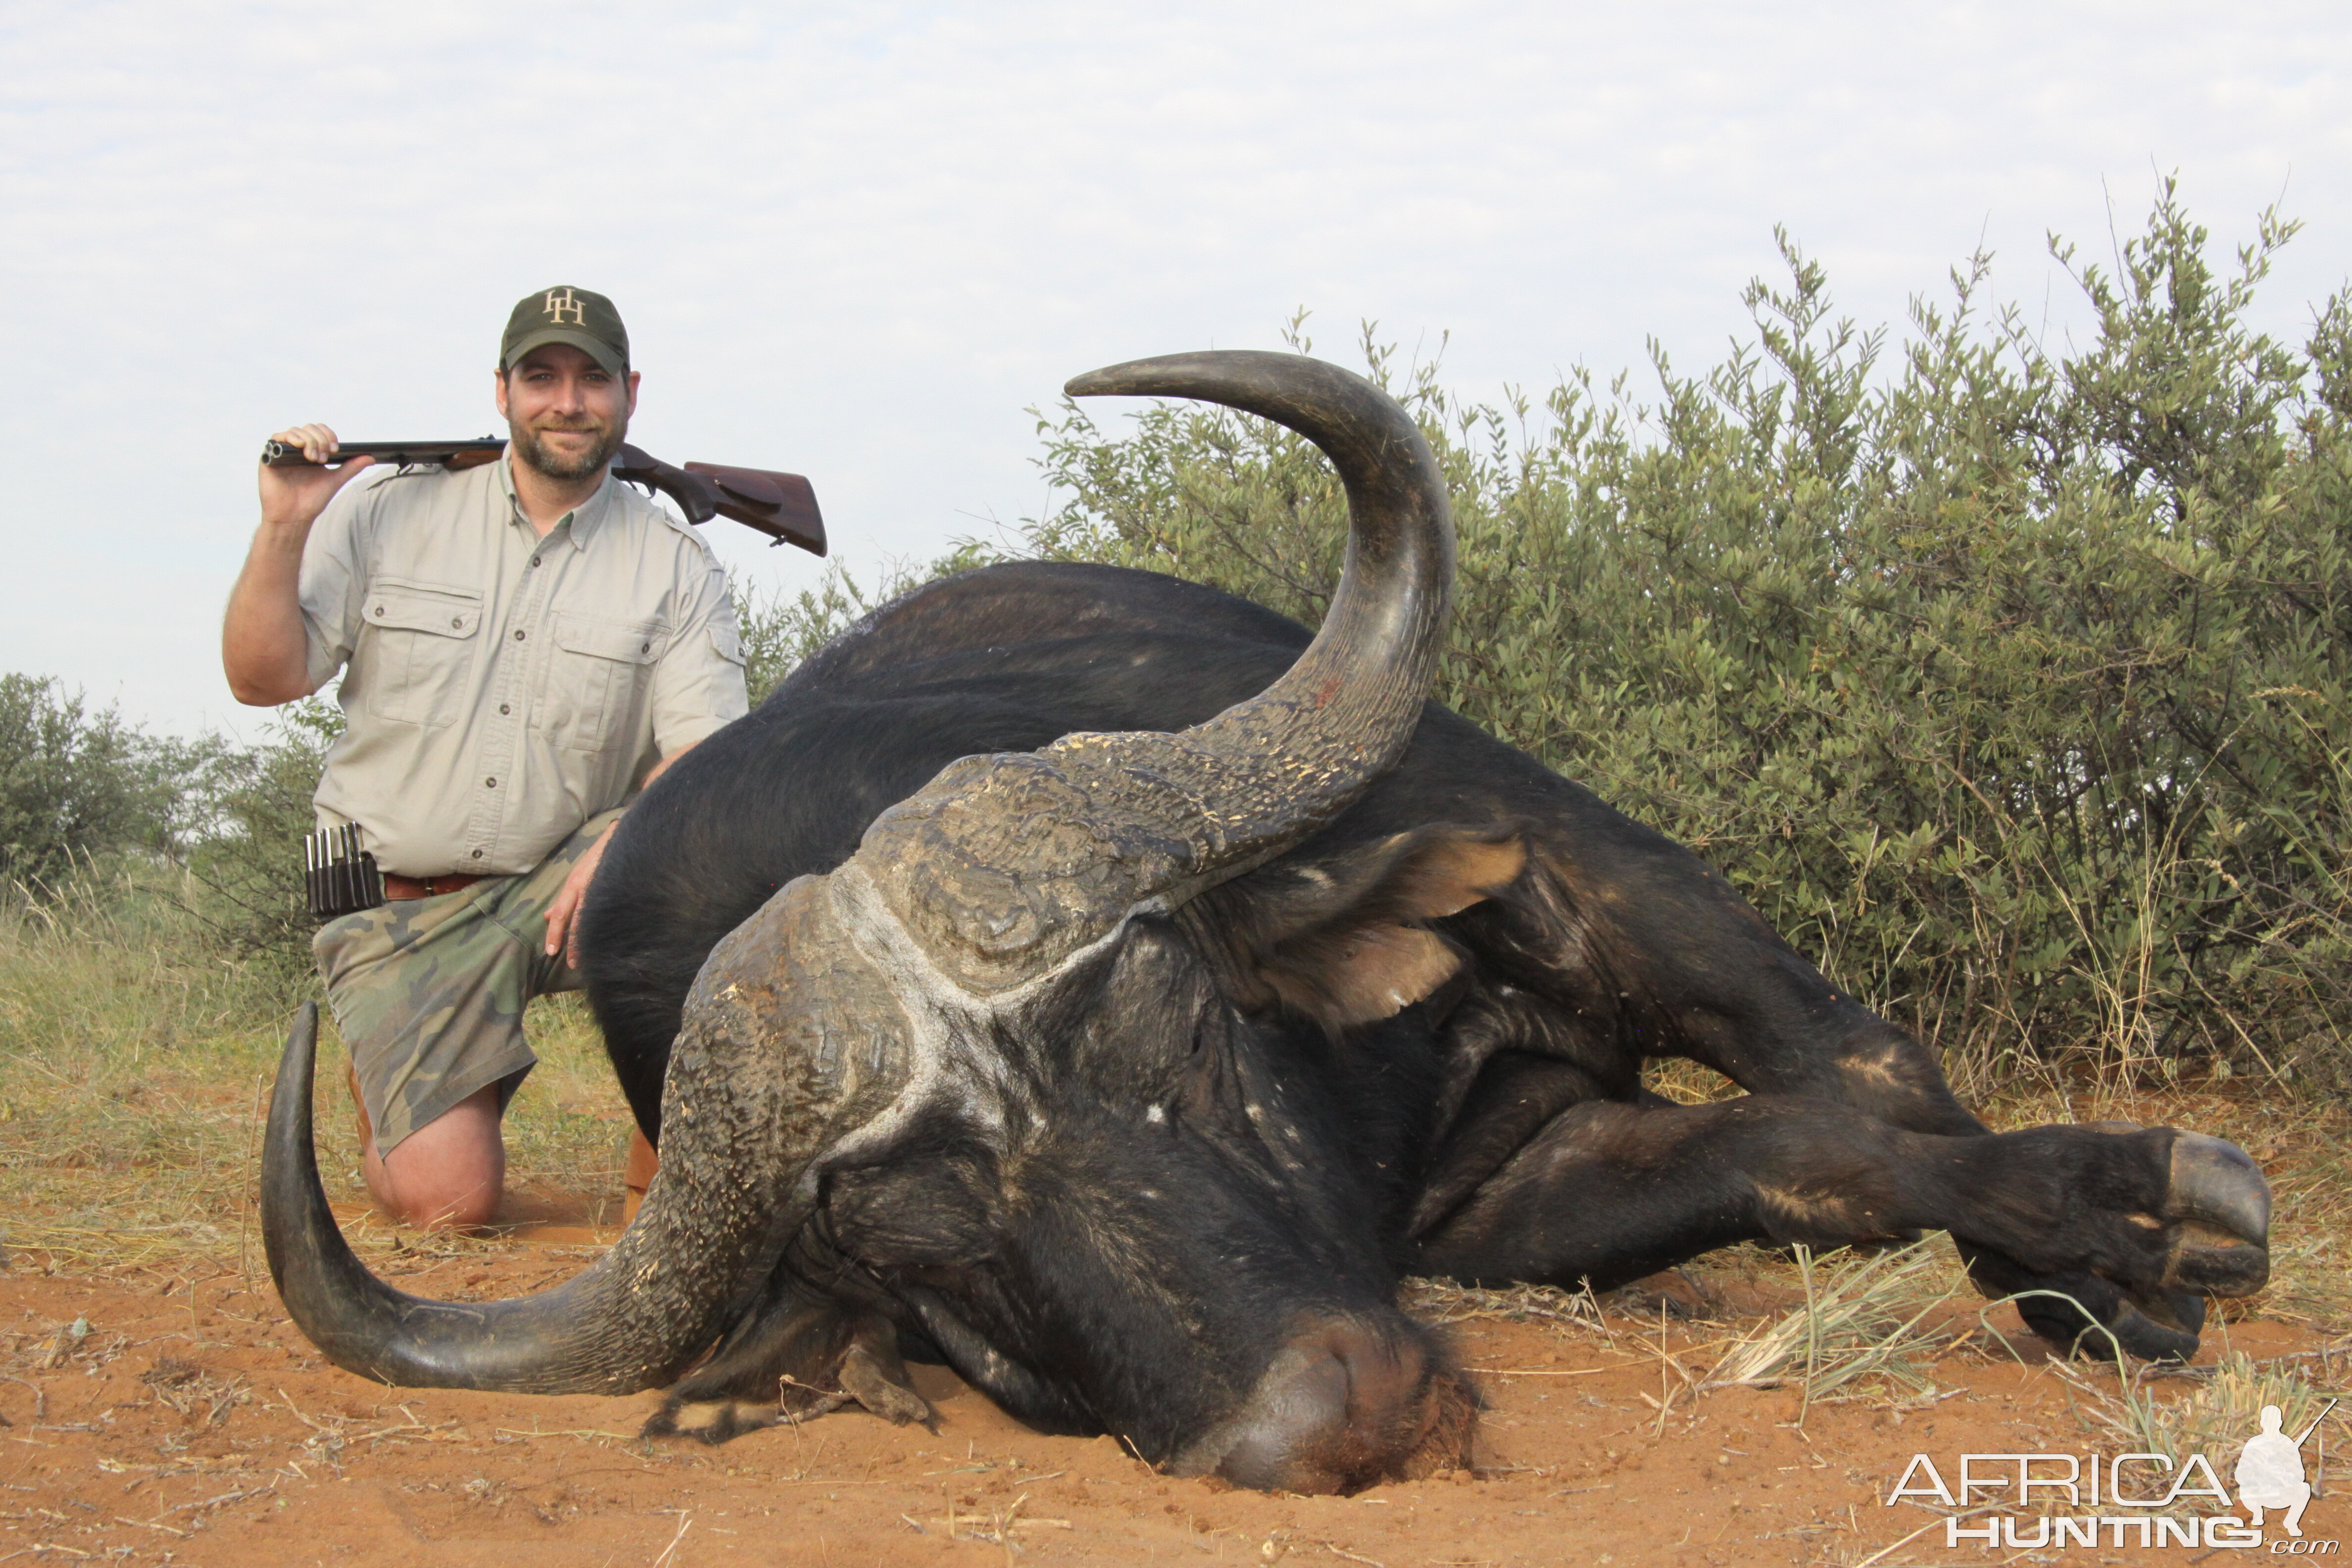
540, 459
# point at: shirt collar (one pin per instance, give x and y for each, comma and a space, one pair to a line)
583, 520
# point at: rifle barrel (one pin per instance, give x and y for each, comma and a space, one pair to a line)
284, 454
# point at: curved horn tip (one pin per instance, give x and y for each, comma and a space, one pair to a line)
1171, 375
1108, 382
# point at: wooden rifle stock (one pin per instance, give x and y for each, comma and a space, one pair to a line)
782, 506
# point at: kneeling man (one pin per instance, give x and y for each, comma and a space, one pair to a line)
524, 646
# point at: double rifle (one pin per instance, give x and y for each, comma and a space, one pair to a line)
782, 506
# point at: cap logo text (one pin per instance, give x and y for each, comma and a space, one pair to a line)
559, 302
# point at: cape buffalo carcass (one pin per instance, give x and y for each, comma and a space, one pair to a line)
1086, 979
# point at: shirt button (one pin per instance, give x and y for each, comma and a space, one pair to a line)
518, 636
477, 854
489, 784
504, 709
379, 612
534, 559
645, 648
457, 623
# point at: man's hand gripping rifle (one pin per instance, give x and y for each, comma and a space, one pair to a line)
782, 506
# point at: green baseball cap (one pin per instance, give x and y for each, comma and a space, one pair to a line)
563, 314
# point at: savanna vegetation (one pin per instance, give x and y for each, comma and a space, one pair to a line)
2007, 678
2009, 681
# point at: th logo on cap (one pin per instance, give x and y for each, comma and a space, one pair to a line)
558, 302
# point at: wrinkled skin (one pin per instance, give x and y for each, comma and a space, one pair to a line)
1172, 1200
1150, 1187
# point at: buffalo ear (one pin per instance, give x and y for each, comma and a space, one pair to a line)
1341, 936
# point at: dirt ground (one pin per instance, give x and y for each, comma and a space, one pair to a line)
165, 1418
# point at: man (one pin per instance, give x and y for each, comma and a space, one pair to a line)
524, 646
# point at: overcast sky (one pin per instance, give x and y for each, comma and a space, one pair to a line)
857, 242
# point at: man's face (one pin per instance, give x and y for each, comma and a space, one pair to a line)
567, 414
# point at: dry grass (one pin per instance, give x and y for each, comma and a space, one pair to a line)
133, 1062
1864, 1316
1442, 1301
2212, 1410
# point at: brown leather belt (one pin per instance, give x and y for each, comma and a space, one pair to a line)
396, 886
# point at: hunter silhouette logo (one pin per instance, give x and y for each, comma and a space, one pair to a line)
2020, 1503
2270, 1471
558, 302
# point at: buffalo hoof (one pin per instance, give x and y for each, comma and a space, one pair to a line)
2215, 1224
717, 1421
2083, 1315
2218, 1211
883, 1390
863, 1384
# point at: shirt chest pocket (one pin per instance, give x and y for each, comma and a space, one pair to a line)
597, 682
423, 644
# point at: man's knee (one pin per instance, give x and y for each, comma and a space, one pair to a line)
437, 1208
434, 1200
449, 1171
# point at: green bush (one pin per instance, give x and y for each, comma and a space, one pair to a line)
245, 872
2011, 686
76, 785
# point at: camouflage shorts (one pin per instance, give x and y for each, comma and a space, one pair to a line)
430, 993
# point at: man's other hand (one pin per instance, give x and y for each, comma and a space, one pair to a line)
561, 936
562, 933
293, 497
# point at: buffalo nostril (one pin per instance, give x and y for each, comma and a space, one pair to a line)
1298, 1406
1339, 1407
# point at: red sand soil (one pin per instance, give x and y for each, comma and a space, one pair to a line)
188, 1423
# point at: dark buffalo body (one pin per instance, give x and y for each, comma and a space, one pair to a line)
1208, 1161
1088, 980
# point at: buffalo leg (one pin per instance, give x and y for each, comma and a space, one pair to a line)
790, 1357
1636, 949
1692, 971
1609, 1192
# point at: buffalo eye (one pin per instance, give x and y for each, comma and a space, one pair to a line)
925, 1208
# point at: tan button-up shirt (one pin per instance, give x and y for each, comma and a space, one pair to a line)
500, 689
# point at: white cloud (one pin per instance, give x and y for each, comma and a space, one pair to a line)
858, 242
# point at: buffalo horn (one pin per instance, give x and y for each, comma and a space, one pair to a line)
1003, 867
742, 1121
